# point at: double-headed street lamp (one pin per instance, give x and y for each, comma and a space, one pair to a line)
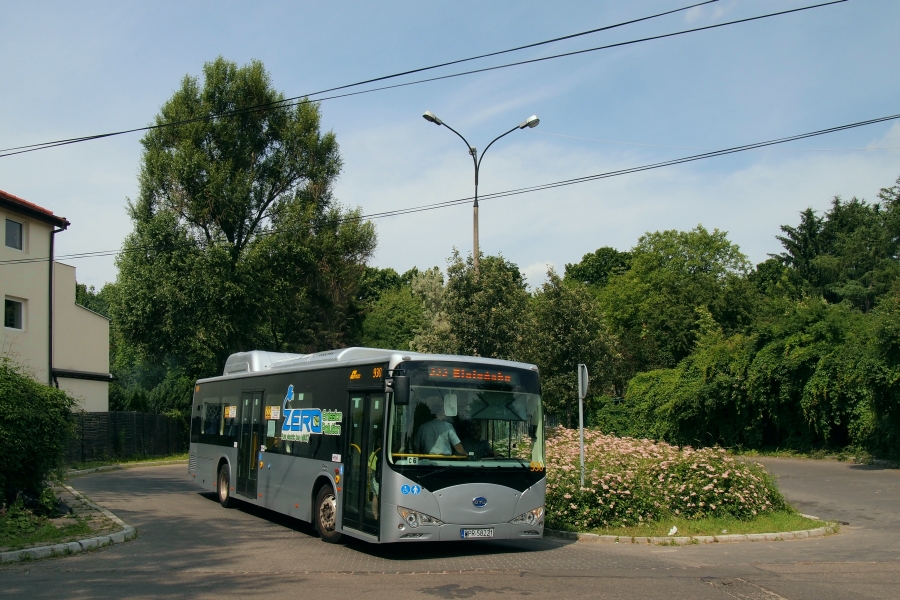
530, 122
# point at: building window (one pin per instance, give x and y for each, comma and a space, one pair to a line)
12, 314
14, 234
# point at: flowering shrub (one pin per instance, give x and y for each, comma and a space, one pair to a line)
630, 481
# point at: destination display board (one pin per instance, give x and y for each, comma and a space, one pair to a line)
448, 373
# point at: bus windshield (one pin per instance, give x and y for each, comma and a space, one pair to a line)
464, 415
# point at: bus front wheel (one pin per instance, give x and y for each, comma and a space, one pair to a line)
223, 488
326, 515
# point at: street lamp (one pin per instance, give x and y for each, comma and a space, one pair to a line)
531, 122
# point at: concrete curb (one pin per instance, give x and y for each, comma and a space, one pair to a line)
126, 534
116, 467
697, 539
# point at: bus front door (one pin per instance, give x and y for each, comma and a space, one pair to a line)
249, 448
362, 466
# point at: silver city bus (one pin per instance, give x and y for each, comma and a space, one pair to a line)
380, 445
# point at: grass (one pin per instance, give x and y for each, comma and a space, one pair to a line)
132, 460
770, 523
20, 531
847, 454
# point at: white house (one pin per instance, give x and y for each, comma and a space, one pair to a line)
57, 341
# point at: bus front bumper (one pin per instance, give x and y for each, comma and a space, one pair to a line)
457, 532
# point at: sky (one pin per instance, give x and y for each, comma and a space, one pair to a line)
70, 69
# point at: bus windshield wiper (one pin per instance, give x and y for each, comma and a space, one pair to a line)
421, 477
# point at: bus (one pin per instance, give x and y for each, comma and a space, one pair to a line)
379, 445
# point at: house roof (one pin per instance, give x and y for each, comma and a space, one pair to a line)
29, 209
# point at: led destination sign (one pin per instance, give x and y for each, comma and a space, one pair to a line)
463, 374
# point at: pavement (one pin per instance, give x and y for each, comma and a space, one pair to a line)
188, 546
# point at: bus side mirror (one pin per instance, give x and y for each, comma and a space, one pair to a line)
400, 386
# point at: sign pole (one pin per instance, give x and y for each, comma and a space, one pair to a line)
582, 392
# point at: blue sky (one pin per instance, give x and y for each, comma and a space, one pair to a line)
69, 69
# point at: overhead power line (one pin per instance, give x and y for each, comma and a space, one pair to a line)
530, 189
294, 101
575, 137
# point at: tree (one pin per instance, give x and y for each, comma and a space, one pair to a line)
565, 329
802, 245
91, 299
652, 307
238, 241
435, 334
393, 319
596, 267
851, 253
475, 314
374, 282
391, 313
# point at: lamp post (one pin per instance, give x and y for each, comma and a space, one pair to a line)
531, 122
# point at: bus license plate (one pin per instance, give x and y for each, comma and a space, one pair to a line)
476, 533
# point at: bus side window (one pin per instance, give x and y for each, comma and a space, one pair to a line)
272, 427
196, 424
229, 420
212, 416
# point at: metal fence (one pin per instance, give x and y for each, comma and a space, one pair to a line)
117, 434
560, 420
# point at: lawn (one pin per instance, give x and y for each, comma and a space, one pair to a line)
775, 522
19, 529
130, 461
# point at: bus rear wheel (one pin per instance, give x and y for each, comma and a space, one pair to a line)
223, 489
326, 515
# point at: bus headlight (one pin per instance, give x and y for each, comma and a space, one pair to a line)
529, 518
415, 518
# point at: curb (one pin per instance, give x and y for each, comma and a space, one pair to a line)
116, 467
128, 533
692, 540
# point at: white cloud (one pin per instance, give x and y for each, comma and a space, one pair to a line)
707, 13
536, 273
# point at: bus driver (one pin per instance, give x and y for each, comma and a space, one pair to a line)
437, 436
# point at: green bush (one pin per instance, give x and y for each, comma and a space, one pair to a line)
35, 427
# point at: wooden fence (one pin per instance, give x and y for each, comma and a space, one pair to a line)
117, 434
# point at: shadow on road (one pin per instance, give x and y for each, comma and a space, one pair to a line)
406, 553
856, 467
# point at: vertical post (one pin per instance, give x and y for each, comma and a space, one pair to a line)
50, 317
475, 249
582, 392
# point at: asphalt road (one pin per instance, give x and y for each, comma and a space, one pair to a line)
190, 547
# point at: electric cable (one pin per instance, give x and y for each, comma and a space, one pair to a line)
294, 101
284, 101
519, 191
620, 143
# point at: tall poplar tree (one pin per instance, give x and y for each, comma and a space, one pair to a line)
238, 242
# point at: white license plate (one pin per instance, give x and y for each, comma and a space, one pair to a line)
476, 533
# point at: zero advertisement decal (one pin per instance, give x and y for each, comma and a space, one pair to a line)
300, 423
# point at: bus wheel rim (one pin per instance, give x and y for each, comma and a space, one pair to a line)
223, 486
327, 512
